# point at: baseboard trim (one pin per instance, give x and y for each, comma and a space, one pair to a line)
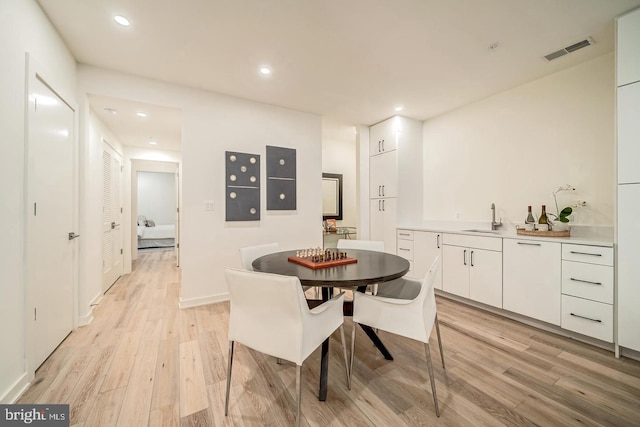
548, 327
16, 390
88, 318
196, 302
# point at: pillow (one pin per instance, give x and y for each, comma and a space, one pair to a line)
150, 223
142, 220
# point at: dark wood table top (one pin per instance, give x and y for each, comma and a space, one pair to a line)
372, 267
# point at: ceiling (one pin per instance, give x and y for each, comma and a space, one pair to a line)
352, 62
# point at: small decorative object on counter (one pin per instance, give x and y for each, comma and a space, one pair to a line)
543, 217
530, 219
561, 217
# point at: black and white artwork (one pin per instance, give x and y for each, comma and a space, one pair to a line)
242, 186
281, 179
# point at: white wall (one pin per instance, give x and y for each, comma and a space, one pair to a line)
515, 148
157, 197
95, 131
339, 156
211, 124
23, 28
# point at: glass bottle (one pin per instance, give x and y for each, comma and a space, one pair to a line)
530, 219
543, 216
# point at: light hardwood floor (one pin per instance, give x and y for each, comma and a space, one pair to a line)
142, 361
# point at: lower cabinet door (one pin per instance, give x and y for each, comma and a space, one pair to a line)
455, 270
485, 277
586, 317
532, 279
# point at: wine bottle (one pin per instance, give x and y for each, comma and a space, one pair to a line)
543, 215
530, 219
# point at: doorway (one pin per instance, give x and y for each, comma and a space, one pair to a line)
155, 209
51, 219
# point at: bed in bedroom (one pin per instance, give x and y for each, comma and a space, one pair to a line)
151, 235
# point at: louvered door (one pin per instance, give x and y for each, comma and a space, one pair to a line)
111, 217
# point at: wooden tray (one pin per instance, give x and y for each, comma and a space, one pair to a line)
551, 233
322, 264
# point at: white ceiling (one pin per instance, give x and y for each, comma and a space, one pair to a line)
350, 61
162, 125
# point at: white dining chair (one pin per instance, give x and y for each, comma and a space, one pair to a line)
366, 245
408, 309
250, 253
269, 314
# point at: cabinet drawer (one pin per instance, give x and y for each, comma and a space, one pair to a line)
590, 254
405, 249
594, 319
590, 281
478, 242
405, 234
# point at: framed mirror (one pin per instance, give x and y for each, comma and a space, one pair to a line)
331, 196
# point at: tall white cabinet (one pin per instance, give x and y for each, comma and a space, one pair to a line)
395, 178
628, 149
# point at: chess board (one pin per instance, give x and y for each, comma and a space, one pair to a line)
307, 262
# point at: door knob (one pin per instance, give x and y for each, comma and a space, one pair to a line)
114, 225
73, 235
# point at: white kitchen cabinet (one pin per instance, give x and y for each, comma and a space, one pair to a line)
383, 175
395, 177
587, 290
532, 279
587, 317
383, 222
627, 49
472, 268
628, 104
628, 201
628, 267
405, 247
426, 247
383, 137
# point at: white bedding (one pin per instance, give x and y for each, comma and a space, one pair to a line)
157, 232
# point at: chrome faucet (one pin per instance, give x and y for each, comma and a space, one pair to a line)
494, 224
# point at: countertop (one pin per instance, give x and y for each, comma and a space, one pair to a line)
580, 235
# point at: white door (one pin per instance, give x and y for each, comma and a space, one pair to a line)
177, 240
112, 257
50, 234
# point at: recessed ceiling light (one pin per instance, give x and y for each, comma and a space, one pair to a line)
399, 108
141, 114
152, 142
121, 20
110, 110
265, 71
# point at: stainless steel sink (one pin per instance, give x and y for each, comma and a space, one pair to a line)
473, 230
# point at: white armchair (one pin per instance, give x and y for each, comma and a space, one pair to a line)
408, 309
269, 314
365, 245
250, 253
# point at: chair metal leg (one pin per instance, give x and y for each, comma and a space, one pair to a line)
439, 341
344, 351
298, 393
229, 366
353, 348
431, 378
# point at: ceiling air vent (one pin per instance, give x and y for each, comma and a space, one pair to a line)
569, 49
